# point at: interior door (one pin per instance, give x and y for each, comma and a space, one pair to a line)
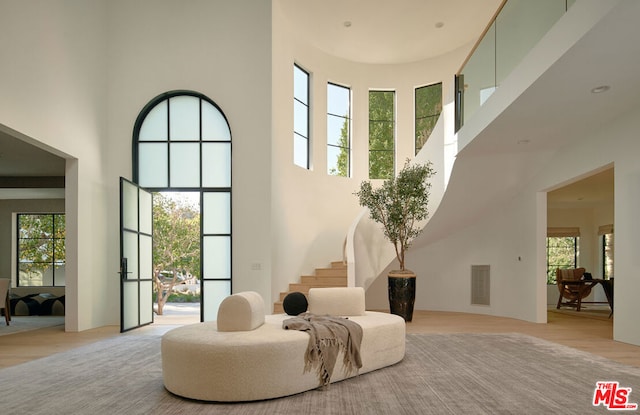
136, 256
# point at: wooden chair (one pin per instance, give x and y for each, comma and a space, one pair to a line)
4, 298
572, 287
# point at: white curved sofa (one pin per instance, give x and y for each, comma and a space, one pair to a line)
247, 356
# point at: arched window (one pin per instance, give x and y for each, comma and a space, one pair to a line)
182, 142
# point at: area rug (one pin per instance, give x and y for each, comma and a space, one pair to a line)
440, 374
19, 324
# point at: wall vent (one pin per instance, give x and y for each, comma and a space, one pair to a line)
480, 285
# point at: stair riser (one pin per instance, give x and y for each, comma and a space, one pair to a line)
331, 272
338, 281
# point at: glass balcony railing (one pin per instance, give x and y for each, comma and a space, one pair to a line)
517, 27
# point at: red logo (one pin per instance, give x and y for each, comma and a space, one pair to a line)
613, 397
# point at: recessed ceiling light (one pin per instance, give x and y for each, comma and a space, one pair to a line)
347, 23
439, 25
600, 89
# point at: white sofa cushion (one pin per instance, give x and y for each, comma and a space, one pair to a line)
337, 301
241, 312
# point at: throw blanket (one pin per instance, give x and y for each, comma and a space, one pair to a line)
327, 336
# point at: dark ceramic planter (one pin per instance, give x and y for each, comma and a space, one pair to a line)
402, 294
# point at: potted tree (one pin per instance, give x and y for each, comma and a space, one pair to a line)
399, 205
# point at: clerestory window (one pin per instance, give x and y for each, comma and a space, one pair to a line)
338, 130
382, 127
300, 117
428, 106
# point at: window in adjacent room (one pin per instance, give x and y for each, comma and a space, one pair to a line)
41, 250
338, 130
606, 237
381, 134
562, 250
300, 117
428, 102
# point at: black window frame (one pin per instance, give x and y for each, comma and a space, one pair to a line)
55, 261
392, 122
347, 118
551, 268
305, 135
433, 116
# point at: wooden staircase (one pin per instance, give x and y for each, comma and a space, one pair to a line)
334, 276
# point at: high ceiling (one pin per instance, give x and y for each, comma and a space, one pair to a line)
387, 32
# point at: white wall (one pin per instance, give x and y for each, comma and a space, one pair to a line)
52, 80
515, 230
221, 49
76, 74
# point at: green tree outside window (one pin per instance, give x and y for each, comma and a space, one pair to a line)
428, 102
41, 249
381, 134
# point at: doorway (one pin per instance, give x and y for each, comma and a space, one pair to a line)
584, 210
182, 144
176, 257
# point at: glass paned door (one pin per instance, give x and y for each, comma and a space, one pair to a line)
136, 256
216, 251
182, 143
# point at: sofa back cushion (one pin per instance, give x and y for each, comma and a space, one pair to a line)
337, 301
241, 312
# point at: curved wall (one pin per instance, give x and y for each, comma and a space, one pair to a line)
311, 211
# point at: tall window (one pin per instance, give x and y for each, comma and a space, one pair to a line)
338, 130
41, 250
428, 102
606, 235
381, 134
562, 250
182, 143
300, 117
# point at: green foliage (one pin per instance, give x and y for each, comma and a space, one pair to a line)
180, 298
343, 157
428, 109
41, 246
561, 253
399, 205
381, 134
176, 243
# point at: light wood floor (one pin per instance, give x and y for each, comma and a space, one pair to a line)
588, 334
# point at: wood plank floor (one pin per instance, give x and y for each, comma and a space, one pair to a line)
588, 334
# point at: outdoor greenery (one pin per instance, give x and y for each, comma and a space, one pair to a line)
428, 107
381, 134
176, 244
400, 205
561, 253
41, 249
175, 297
343, 157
